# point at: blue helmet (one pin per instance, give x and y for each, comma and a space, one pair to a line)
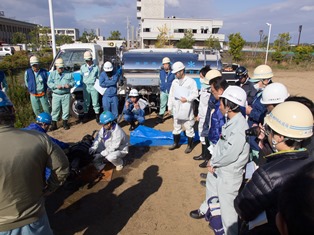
4, 100
44, 118
106, 117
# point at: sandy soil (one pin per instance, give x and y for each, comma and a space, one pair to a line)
153, 194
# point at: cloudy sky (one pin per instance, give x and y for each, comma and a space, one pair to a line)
244, 16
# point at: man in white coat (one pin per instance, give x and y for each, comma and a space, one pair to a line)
111, 143
182, 93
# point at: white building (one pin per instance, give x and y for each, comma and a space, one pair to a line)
151, 16
150, 9
72, 32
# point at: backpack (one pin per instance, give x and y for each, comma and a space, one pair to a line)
213, 215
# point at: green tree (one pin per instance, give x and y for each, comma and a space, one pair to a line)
236, 44
44, 39
63, 39
114, 35
302, 53
88, 37
280, 45
187, 41
18, 37
162, 38
263, 43
212, 43
282, 42
34, 38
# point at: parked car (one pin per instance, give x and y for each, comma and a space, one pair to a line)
6, 50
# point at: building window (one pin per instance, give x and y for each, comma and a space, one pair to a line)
215, 30
146, 30
194, 31
181, 30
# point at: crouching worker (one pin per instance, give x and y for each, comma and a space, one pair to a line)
111, 144
133, 111
43, 122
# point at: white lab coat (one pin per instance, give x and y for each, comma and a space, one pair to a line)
174, 105
114, 148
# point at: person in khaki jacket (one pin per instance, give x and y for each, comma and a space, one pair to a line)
24, 156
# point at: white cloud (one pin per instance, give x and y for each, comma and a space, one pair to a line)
173, 3
307, 8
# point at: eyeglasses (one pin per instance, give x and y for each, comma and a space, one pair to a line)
266, 80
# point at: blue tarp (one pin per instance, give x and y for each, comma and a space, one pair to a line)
146, 136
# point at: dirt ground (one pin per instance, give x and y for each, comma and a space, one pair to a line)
155, 191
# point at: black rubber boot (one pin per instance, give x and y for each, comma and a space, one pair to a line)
53, 126
190, 145
81, 118
201, 156
160, 119
203, 164
97, 117
176, 140
66, 125
132, 126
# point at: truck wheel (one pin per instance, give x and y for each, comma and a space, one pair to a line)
76, 107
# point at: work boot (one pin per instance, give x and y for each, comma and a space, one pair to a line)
189, 148
160, 119
81, 118
201, 156
176, 140
53, 126
97, 117
66, 125
132, 126
203, 164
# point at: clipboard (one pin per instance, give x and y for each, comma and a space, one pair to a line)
98, 88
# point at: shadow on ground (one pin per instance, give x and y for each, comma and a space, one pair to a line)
104, 212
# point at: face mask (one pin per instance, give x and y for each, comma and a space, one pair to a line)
273, 144
204, 86
256, 86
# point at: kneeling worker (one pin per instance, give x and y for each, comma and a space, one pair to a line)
110, 144
43, 122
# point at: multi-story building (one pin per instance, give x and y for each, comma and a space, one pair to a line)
150, 13
10, 26
72, 32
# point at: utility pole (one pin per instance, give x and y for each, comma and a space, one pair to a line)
300, 30
260, 35
127, 33
52, 26
269, 31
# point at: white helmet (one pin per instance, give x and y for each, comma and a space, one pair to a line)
291, 119
274, 93
262, 72
213, 73
165, 60
88, 55
59, 63
235, 94
33, 60
177, 66
133, 93
108, 67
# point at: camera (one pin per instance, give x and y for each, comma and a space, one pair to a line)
253, 131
